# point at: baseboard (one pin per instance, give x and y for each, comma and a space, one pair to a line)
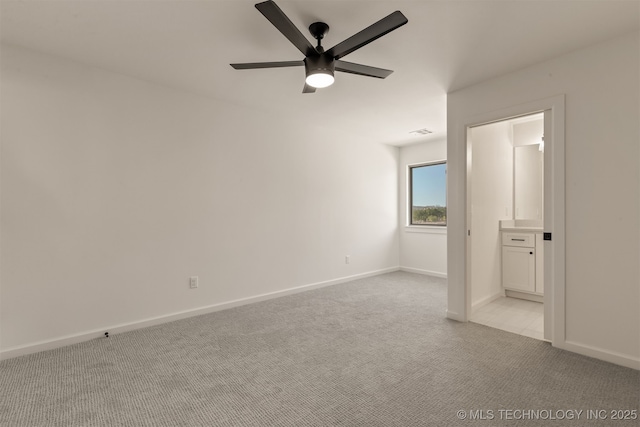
484, 301
455, 316
125, 327
425, 272
602, 354
524, 295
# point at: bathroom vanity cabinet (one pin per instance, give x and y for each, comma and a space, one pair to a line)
522, 262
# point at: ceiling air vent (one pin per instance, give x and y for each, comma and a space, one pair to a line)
424, 131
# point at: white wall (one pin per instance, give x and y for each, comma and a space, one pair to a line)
491, 201
602, 228
115, 191
529, 132
422, 249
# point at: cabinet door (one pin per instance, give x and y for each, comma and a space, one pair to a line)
519, 268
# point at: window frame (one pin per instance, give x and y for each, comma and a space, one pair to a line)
410, 223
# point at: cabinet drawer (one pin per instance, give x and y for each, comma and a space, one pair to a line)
525, 240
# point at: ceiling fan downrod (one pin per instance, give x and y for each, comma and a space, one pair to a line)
318, 30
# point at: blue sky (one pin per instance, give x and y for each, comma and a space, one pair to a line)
429, 185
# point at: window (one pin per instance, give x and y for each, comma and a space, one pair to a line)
428, 194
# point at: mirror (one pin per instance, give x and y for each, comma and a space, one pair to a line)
528, 182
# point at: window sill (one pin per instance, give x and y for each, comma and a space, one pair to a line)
429, 229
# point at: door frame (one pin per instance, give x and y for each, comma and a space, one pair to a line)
554, 207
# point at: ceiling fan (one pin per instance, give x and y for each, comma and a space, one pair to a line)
320, 64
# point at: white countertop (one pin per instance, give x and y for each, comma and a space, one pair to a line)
523, 225
522, 229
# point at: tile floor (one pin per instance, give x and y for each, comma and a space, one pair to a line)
513, 315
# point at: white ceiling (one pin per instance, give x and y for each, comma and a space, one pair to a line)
445, 46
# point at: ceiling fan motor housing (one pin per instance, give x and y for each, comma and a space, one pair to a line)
319, 64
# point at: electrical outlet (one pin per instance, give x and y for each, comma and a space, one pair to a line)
347, 259
193, 282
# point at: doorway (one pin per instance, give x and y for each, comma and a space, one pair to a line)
459, 216
506, 200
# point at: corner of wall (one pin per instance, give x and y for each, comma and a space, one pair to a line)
423, 253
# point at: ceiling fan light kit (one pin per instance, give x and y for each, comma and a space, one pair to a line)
320, 66
319, 71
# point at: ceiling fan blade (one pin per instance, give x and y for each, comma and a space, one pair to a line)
253, 65
369, 34
276, 16
362, 70
308, 89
